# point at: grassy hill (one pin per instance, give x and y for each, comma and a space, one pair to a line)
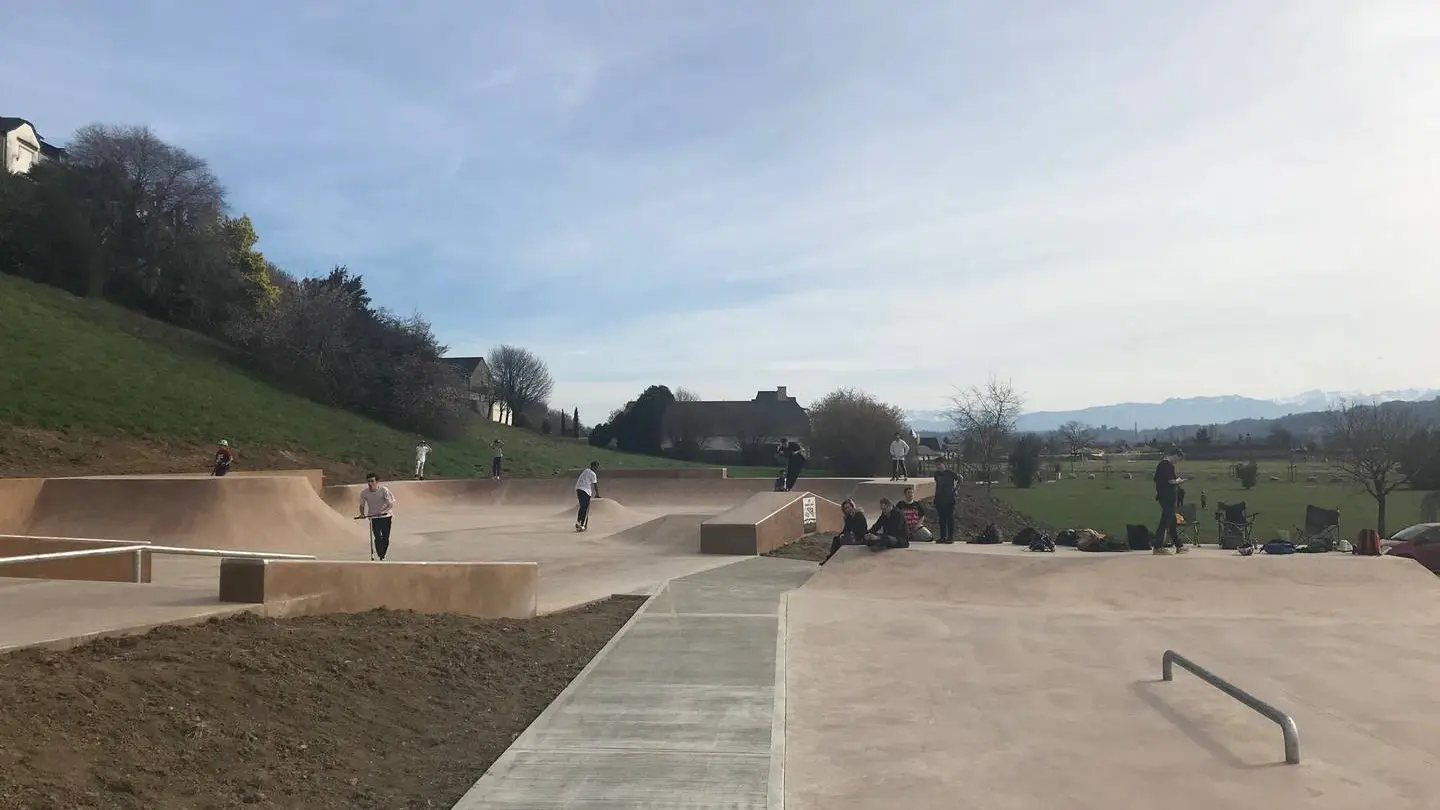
89, 388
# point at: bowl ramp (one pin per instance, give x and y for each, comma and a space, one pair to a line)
244, 513
767, 521
1022, 674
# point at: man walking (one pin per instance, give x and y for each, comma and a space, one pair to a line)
946, 482
422, 452
497, 450
1167, 483
377, 503
587, 486
899, 449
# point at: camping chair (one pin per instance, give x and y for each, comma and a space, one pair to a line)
1188, 525
1321, 526
1236, 525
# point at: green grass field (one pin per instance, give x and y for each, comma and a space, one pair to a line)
86, 368
1109, 504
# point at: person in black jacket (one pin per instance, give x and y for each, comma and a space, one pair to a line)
890, 530
794, 463
852, 533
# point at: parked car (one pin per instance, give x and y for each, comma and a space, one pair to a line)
1420, 543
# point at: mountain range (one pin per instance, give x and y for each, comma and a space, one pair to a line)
1215, 410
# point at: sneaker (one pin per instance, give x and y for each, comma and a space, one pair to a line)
1182, 549
1162, 551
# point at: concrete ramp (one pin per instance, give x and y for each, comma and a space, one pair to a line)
245, 513
668, 534
767, 521
1031, 681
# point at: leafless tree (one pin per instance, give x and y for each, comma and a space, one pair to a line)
985, 416
1077, 436
1368, 445
519, 379
852, 430
687, 425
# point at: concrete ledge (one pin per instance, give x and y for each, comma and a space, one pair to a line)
486, 590
105, 568
657, 472
868, 493
766, 521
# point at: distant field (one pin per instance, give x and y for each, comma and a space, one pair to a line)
1108, 505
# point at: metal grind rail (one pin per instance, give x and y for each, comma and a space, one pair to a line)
1286, 723
139, 551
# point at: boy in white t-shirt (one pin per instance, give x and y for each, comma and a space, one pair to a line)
587, 486
899, 449
422, 452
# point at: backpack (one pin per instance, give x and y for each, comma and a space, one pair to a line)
1278, 547
1026, 536
1069, 537
1041, 543
780, 482
990, 536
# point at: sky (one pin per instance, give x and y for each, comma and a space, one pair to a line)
1100, 201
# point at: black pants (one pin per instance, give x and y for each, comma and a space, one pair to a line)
1167, 525
583, 516
495, 467
791, 476
380, 535
220, 471
897, 468
945, 512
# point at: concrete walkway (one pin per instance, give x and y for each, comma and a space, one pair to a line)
677, 711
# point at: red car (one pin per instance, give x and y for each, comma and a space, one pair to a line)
1420, 543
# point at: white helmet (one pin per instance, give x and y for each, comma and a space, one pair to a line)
224, 443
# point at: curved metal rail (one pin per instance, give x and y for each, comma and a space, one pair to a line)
1286, 723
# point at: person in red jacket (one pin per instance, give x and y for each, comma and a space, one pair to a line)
224, 456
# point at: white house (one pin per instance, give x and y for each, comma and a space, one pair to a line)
474, 375
21, 147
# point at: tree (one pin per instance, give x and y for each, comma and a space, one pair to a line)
687, 425
602, 435
640, 425
852, 431
985, 416
1249, 474
1025, 461
575, 422
1077, 436
1203, 437
1281, 438
1369, 445
519, 379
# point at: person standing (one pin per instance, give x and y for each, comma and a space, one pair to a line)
587, 486
224, 457
946, 482
899, 449
497, 456
794, 463
1167, 484
422, 452
377, 503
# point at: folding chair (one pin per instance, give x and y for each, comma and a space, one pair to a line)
1187, 524
1236, 525
1322, 526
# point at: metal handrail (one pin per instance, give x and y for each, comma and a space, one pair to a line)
1286, 723
139, 550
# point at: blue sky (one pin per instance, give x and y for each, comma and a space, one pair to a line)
1101, 200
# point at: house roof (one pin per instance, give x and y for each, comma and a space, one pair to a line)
468, 366
10, 123
772, 418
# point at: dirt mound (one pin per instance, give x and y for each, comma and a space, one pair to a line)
366, 711
605, 510
975, 509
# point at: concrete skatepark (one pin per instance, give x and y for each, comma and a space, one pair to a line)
929, 677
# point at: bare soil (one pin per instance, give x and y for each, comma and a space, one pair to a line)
384, 709
973, 511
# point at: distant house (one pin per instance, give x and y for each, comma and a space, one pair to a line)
740, 426
21, 147
474, 375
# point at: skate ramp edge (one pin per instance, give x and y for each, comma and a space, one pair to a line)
869, 493
689, 473
767, 521
487, 590
1203, 583
104, 568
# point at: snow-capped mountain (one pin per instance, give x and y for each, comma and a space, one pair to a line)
1184, 411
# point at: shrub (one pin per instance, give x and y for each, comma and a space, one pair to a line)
1025, 461
1248, 473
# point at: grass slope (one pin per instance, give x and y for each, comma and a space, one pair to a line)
90, 388
1108, 505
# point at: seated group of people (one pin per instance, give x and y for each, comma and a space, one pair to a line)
899, 524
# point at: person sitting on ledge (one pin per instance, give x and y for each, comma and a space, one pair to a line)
852, 533
890, 530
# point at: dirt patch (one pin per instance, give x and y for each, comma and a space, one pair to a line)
382, 709
813, 547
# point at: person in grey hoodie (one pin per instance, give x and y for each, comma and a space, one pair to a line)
899, 449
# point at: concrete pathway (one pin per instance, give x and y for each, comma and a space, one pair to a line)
676, 712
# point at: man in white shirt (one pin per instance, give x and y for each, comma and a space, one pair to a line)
899, 449
587, 486
422, 452
377, 503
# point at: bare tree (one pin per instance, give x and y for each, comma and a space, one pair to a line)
687, 424
985, 416
852, 431
1077, 436
519, 379
1368, 445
